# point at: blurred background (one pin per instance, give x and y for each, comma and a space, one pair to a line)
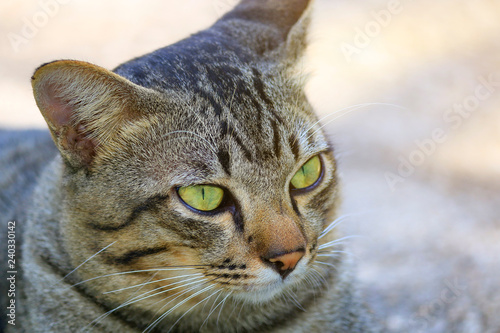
410, 95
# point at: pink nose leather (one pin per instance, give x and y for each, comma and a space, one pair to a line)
289, 260
285, 264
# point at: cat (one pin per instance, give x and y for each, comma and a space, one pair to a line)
192, 190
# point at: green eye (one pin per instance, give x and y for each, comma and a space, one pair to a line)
308, 174
201, 197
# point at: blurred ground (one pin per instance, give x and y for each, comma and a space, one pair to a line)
420, 166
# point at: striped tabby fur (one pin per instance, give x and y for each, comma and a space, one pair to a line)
108, 246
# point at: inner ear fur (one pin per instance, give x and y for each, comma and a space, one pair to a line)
85, 107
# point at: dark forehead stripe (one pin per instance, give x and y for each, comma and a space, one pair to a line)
294, 146
242, 96
223, 128
223, 156
216, 106
246, 151
224, 160
259, 87
237, 91
276, 138
218, 75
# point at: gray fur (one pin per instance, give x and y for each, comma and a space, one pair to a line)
224, 106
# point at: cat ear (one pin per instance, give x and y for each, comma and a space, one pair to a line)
277, 28
85, 107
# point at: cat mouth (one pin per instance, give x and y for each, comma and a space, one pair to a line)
266, 285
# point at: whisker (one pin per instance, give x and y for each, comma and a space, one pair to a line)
177, 268
220, 311
183, 284
336, 254
334, 224
313, 284
294, 300
356, 106
186, 312
128, 299
348, 110
135, 300
326, 263
165, 291
163, 316
336, 242
192, 288
286, 298
210, 311
333, 255
320, 277
155, 281
89, 258
318, 280
329, 253
234, 303
214, 309
177, 294
137, 291
241, 309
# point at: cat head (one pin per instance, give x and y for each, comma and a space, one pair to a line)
199, 169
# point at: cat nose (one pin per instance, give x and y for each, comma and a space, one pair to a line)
284, 264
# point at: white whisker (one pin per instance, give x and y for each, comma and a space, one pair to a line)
135, 300
315, 281
177, 294
165, 291
163, 316
356, 106
334, 224
348, 110
89, 258
294, 300
196, 275
326, 263
336, 254
140, 288
133, 272
214, 309
320, 277
210, 311
312, 284
234, 303
223, 302
186, 312
332, 253
241, 309
336, 242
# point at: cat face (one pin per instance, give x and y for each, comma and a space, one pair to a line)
134, 200
193, 176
